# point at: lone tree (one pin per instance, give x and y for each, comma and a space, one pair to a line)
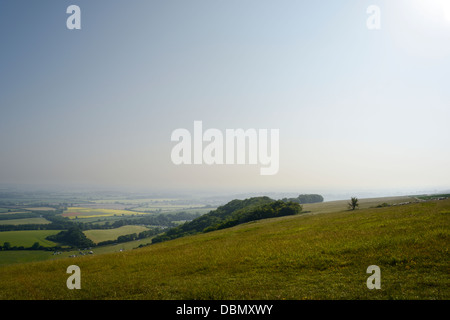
35, 246
353, 204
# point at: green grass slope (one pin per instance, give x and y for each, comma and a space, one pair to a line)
321, 256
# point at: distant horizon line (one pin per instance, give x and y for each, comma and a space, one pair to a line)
328, 194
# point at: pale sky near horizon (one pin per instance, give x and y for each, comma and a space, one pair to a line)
356, 108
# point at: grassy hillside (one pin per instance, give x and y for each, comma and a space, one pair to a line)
315, 256
23, 256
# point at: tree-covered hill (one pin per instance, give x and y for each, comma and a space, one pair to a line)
74, 236
231, 214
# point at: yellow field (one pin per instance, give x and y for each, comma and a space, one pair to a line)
82, 212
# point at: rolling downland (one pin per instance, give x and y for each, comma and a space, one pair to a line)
304, 256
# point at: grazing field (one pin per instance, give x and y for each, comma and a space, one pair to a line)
119, 247
313, 256
112, 234
28, 237
25, 221
23, 256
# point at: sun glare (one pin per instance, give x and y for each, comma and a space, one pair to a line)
437, 9
446, 8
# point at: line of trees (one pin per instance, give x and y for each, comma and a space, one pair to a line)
7, 246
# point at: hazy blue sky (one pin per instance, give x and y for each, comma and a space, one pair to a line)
356, 108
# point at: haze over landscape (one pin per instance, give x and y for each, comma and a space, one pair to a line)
358, 110
251, 154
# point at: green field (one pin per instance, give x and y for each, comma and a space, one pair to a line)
112, 234
310, 256
25, 221
28, 237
